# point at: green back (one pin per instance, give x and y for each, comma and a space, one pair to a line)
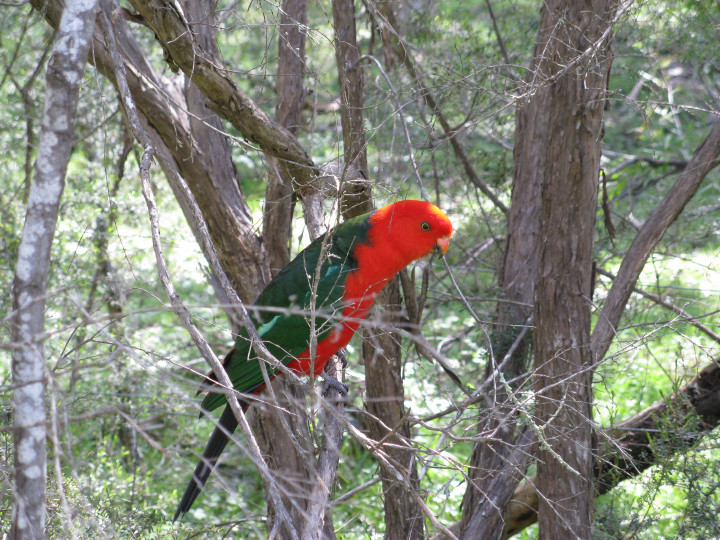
286, 335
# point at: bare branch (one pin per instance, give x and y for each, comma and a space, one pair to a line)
402, 50
401, 115
501, 42
29, 105
703, 161
328, 460
206, 71
686, 317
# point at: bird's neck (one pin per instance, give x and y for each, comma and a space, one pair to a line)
377, 264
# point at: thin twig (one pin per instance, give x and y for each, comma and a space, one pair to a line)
501, 42
672, 307
403, 51
470, 310
398, 110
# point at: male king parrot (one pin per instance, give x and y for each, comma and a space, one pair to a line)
360, 256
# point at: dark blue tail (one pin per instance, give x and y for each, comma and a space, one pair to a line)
215, 446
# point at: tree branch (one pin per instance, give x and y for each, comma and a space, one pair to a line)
686, 317
381, 351
166, 115
204, 69
402, 50
279, 194
703, 161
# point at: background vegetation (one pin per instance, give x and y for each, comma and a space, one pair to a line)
122, 370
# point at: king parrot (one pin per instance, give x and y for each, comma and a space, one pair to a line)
356, 260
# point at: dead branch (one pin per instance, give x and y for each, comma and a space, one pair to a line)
402, 50
686, 317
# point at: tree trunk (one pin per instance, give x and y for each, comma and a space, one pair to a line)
497, 467
64, 75
356, 197
279, 201
381, 350
281, 428
213, 179
382, 355
637, 443
572, 65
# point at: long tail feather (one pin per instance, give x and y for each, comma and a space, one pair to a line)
215, 446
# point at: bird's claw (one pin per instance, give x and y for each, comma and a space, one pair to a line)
332, 382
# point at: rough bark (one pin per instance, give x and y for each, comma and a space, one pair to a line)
563, 361
64, 75
519, 267
496, 467
277, 216
282, 428
279, 202
381, 351
356, 197
704, 159
632, 446
507, 455
213, 181
382, 356
318, 523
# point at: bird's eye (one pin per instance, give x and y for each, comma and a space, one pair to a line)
425, 226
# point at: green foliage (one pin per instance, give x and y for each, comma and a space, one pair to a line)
121, 460
679, 499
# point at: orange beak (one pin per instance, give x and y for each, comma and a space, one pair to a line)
443, 244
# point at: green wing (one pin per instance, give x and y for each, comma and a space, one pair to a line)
287, 334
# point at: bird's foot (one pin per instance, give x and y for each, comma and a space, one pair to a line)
332, 382
343, 359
